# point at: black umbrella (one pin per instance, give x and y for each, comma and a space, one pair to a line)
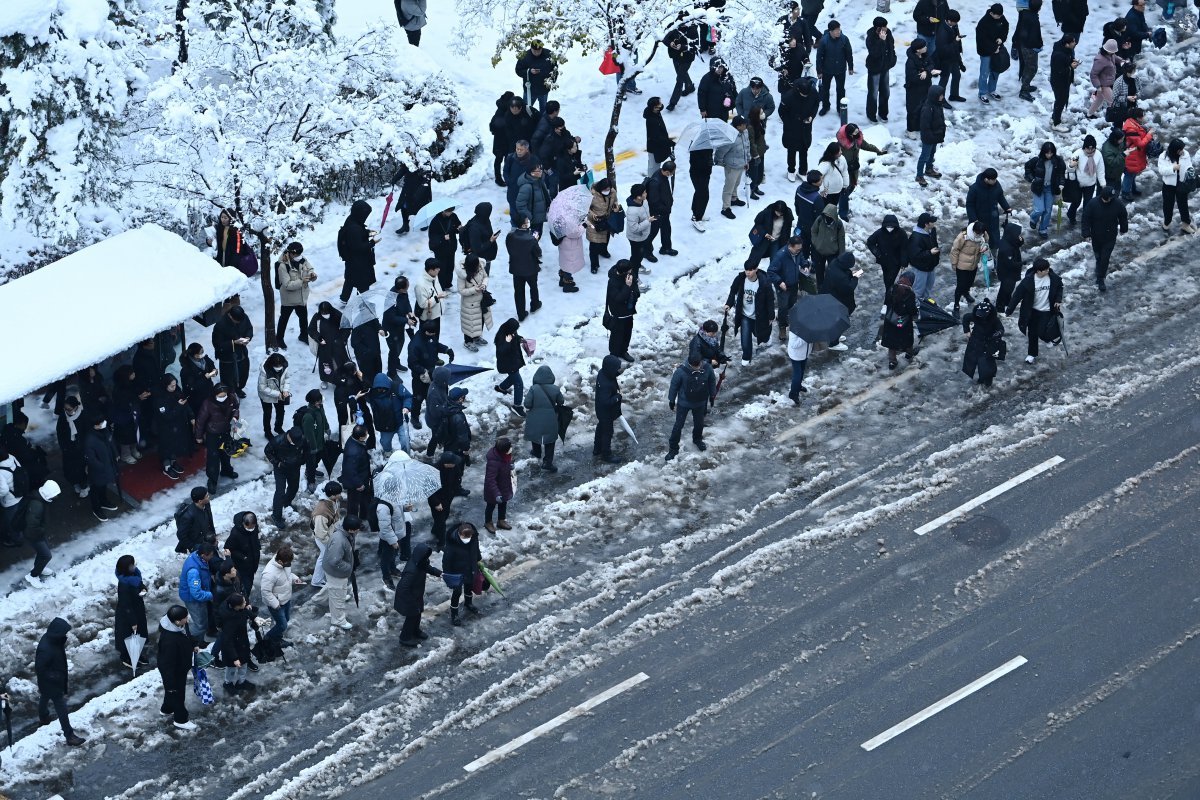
459, 372
819, 318
354, 576
932, 318
8, 721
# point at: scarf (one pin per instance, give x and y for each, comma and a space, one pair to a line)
970, 235
711, 341
71, 420
1089, 166
133, 581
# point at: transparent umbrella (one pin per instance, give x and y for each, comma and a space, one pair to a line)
708, 134
569, 209
404, 482
357, 312
135, 644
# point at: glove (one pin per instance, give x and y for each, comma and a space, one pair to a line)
451, 354
672, 405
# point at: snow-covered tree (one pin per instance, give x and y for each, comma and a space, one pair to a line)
66, 77
632, 30
269, 116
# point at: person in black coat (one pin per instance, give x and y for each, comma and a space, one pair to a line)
948, 54
410, 593
71, 429
1102, 219
706, 345
100, 456
881, 58
1046, 172
194, 524
519, 124
1071, 15
286, 453
1027, 42
928, 14
918, 77
230, 337
1040, 296
659, 145
608, 408
985, 344
620, 307
173, 421
765, 242
834, 58
326, 334
50, 666
841, 280
899, 317
478, 237
176, 649
524, 264
423, 351
416, 191
536, 67
356, 247
398, 321
443, 242
196, 373
235, 614
1008, 262
364, 340
798, 105
660, 196
985, 202
752, 299
245, 548
131, 609
510, 357
1062, 75
889, 245
500, 144
682, 43
349, 399
716, 92
1137, 30
991, 32
462, 557
933, 133
356, 474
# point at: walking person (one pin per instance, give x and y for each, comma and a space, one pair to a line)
293, 275
274, 392
757, 128
991, 32
325, 516
410, 594
985, 343
1088, 167
318, 437
752, 299
1027, 44
681, 48
176, 649
899, 318
1062, 75
881, 59
1174, 164
852, 142
986, 202
461, 559
772, 226
131, 609
243, 543
1103, 75
395, 534
1113, 155
968, 249
734, 158
700, 167
790, 272
1009, 265
276, 587
510, 357
391, 408
498, 484
835, 175
798, 351
620, 307
356, 247
933, 133
1039, 294
923, 256
638, 224
1045, 173
286, 453
809, 203
889, 245
35, 531
828, 238
423, 352
541, 423
1101, 222
340, 564
194, 524
693, 389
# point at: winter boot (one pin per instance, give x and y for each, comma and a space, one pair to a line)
454, 618
783, 333
471, 609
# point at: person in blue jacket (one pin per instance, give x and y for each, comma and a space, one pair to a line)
391, 405
196, 589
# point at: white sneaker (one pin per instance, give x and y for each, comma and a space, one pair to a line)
792, 177
32, 581
910, 134
346, 626
1030, 359
643, 270
839, 347
83, 491
745, 362
46, 572
1060, 128
185, 726
698, 224
128, 459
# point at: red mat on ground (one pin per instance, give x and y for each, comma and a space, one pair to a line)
146, 478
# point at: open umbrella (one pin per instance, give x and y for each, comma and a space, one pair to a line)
431, 209
932, 318
460, 372
819, 318
357, 312
135, 644
405, 482
708, 134
568, 209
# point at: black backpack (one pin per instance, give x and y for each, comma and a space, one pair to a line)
298, 417
695, 389
21, 485
181, 546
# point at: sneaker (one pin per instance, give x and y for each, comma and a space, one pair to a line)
1025, 96
37, 584
252, 666
549, 467
791, 176
185, 726
669, 251
727, 213
1030, 359
984, 99
745, 362
1060, 128
839, 347
170, 473
737, 201
108, 508
46, 572
100, 516
958, 98
346, 626
883, 118
996, 96
672, 453
1187, 228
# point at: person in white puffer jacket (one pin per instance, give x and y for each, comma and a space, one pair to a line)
276, 586
1173, 167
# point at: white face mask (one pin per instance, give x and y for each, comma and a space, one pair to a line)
606, 193
102, 425
221, 398
326, 316
889, 229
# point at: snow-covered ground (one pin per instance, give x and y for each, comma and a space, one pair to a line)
589, 545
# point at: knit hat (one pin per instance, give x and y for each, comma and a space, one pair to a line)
879, 22
457, 393
996, 8
1089, 141
1110, 46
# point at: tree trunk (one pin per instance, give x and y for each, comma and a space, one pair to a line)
265, 273
181, 31
610, 139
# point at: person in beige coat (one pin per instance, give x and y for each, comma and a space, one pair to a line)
293, 274
968, 250
472, 284
325, 517
604, 202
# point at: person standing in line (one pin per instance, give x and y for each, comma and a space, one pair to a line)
293, 274
1173, 165
990, 34
1062, 75
317, 435
213, 427
230, 336
604, 203
809, 203
659, 145
541, 423
356, 473
100, 456
1009, 266
473, 316
340, 561
235, 614
985, 343
1071, 16
693, 389
790, 273
1040, 294
949, 54
734, 158
933, 133
918, 79
620, 305
928, 14
498, 484
1101, 222
638, 223
852, 142
660, 196
410, 594
399, 321
881, 59
835, 175
797, 109
889, 245
286, 453
274, 392
835, 57
244, 546
423, 351
1113, 154
176, 649
828, 238
325, 516
608, 409
536, 68
71, 432
524, 264
1027, 43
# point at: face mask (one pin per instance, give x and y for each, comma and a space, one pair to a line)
102, 426
326, 316
890, 229
249, 528
221, 398
606, 193
465, 539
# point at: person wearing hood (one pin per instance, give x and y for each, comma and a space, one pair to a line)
693, 389
176, 649
100, 456
276, 587
525, 262
772, 227
364, 339
510, 357
356, 247
274, 391
456, 436
50, 666
986, 201
889, 245
131, 609
620, 307
410, 594
443, 243
1027, 43
416, 192
35, 531
899, 317
608, 408
933, 133
659, 144
790, 272
533, 198
841, 281
541, 424
423, 351
437, 402
834, 58
604, 203
391, 405
797, 110
1008, 262
828, 236
461, 558
235, 614
125, 413
985, 344
752, 299
1101, 222
1062, 75
850, 140
498, 485
327, 336
1040, 296
398, 322
479, 238
230, 336
244, 545
172, 425
638, 224
716, 91
918, 79
472, 315
293, 274
990, 34
71, 430
881, 59
923, 255
1045, 172
969, 248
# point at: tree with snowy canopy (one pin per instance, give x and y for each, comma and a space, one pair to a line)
66, 78
272, 118
627, 28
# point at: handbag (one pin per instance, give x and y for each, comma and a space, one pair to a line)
1072, 192
452, 580
615, 221
486, 300
565, 414
330, 454
529, 345
247, 263
608, 64
1000, 61
479, 585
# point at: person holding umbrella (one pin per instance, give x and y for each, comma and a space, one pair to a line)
340, 561
410, 594
753, 302
899, 315
704, 136
693, 388
131, 609
459, 560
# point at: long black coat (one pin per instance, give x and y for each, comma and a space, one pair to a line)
174, 655
712, 93
796, 107
245, 547
608, 393
1008, 254
131, 609
510, 357
192, 378
101, 458
903, 303
980, 353
460, 558
172, 421
764, 305
410, 589
933, 117
889, 249
50, 661
355, 248
658, 141
839, 282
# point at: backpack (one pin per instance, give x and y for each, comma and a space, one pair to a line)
182, 546
278, 283
21, 484
1154, 149
695, 388
341, 243
298, 417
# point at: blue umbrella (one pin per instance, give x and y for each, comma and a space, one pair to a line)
428, 211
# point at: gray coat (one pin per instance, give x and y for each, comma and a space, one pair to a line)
293, 286
637, 221
747, 102
736, 154
533, 198
541, 401
339, 555
412, 14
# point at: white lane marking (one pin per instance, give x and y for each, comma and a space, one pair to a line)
568, 715
944, 703
990, 494
880, 388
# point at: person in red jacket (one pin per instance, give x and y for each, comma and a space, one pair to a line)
1137, 139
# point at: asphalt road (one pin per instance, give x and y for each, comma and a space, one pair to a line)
1088, 571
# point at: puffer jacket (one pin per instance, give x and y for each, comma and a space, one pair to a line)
637, 221
541, 402
426, 303
1137, 138
965, 253
272, 385
472, 315
293, 279
601, 207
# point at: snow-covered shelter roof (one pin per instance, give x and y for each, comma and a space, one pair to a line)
101, 300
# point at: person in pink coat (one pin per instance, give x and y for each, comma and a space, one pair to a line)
570, 259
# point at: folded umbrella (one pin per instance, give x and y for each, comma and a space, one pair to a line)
932, 318
135, 644
819, 318
460, 372
431, 209
625, 425
708, 134
489, 577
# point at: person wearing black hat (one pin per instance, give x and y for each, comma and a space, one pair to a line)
918, 77
990, 34
923, 256
881, 58
835, 57
985, 343
230, 335
716, 92
462, 558
537, 68
797, 110
1101, 222
755, 95
356, 473
50, 666
293, 274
